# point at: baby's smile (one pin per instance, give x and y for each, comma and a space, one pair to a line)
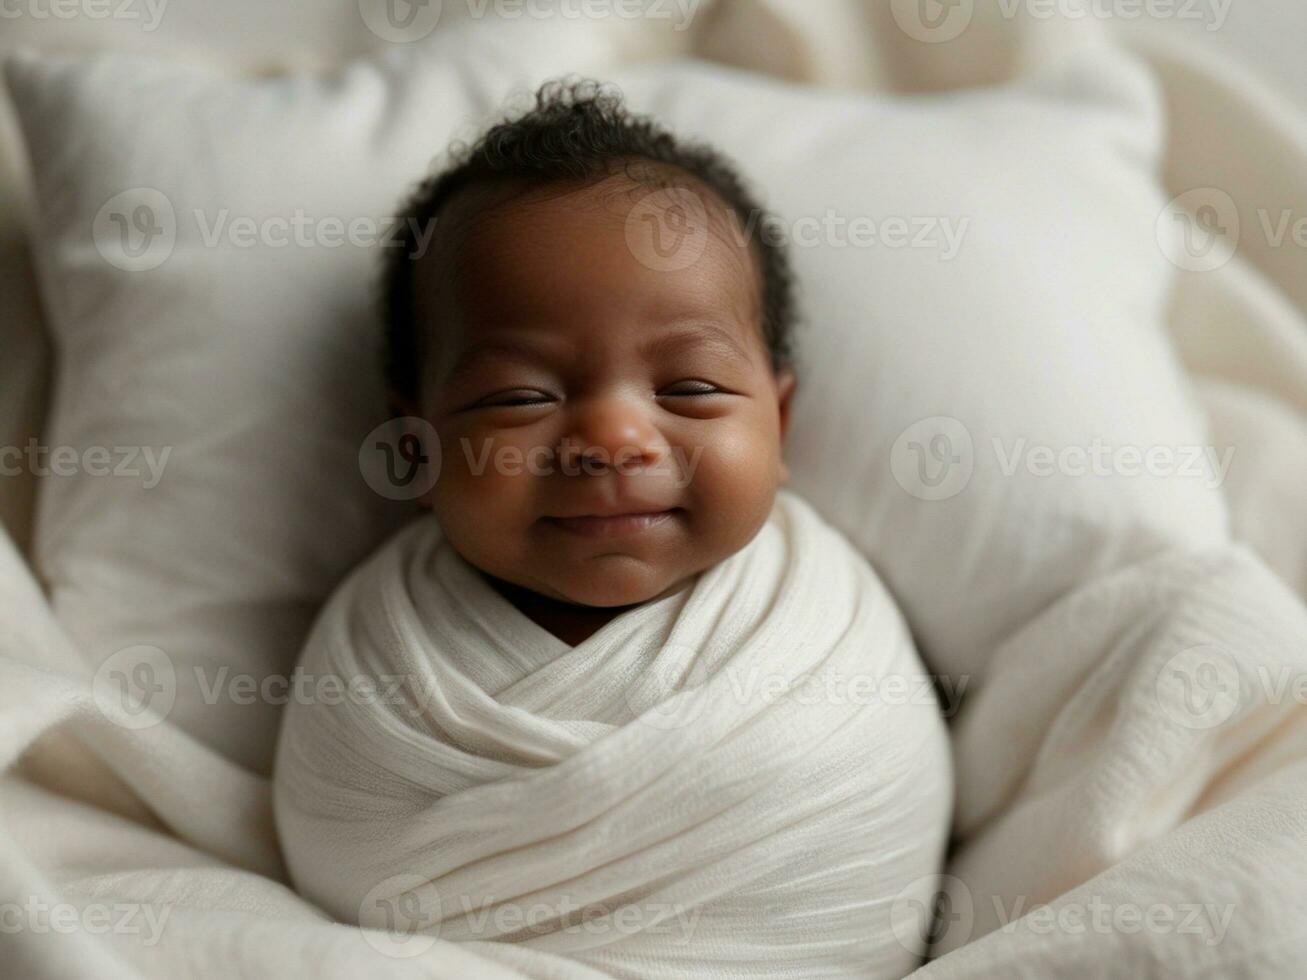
614, 524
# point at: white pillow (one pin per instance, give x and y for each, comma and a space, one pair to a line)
1027, 332
249, 373
256, 366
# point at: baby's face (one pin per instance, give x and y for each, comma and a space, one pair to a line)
607, 429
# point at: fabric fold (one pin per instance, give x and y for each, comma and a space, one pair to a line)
755, 762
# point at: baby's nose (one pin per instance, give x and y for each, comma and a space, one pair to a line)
612, 433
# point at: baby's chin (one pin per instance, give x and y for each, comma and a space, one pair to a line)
619, 581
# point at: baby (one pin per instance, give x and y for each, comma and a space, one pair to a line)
628, 697
566, 304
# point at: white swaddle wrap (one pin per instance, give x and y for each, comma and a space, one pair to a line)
732, 780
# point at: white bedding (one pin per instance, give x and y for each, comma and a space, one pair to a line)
735, 780
1130, 706
1081, 783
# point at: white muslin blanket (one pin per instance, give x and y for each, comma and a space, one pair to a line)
732, 780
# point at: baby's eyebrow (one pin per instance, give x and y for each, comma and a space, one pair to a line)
699, 335
496, 349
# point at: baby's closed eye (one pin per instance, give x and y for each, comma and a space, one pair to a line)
694, 386
515, 397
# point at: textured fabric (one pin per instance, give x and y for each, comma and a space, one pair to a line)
940, 384
189, 884
973, 318
240, 373
1130, 783
169, 825
1268, 476
734, 780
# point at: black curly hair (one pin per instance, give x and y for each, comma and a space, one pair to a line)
577, 130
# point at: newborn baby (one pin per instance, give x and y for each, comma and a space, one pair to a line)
619, 697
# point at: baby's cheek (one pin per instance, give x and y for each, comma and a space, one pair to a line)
482, 475
470, 452
734, 480
730, 460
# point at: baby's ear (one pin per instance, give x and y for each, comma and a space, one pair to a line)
401, 407
421, 430
786, 382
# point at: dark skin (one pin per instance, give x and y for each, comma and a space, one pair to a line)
608, 430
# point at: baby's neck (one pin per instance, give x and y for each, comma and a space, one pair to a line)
571, 623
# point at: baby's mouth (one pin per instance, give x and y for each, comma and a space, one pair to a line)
607, 525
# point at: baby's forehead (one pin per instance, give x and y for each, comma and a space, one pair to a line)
512, 250
675, 210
